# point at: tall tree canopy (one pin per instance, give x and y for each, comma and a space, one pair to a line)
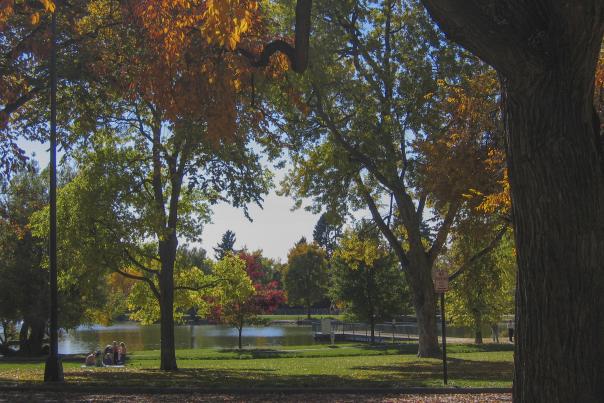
394, 111
306, 277
366, 277
24, 271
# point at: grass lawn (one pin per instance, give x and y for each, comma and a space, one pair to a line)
346, 365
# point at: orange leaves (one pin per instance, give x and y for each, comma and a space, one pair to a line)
467, 159
225, 21
7, 9
169, 24
49, 5
187, 59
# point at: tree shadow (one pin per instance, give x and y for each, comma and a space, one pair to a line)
458, 369
406, 374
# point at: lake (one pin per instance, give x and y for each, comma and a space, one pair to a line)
138, 337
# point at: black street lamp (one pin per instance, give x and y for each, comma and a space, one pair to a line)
53, 372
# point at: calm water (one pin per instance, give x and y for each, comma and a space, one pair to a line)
137, 337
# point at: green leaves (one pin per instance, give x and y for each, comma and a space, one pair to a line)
366, 279
306, 274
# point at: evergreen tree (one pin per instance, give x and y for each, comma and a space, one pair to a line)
225, 246
327, 232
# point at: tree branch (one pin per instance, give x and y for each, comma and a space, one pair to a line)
392, 239
487, 30
297, 55
139, 264
198, 288
13, 106
443, 231
141, 278
486, 250
353, 151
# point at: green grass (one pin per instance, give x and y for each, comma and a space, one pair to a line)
346, 365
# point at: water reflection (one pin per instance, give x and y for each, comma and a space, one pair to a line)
138, 337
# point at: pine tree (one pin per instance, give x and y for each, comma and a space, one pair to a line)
225, 246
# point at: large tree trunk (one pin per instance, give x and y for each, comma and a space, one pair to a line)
546, 53
23, 342
36, 337
478, 329
424, 302
557, 180
166, 287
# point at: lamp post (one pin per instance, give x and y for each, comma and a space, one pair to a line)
53, 371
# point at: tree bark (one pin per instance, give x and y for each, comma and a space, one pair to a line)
240, 328
478, 329
167, 250
557, 177
36, 337
546, 54
424, 302
23, 341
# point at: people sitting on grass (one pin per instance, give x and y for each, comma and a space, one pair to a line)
113, 354
91, 359
99, 358
121, 356
107, 359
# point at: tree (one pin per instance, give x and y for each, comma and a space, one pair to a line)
484, 291
402, 123
225, 246
131, 224
21, 260
24, 271
326, 233
546, 54
367, 279
306, 275
202, 49
25, 83
240, 304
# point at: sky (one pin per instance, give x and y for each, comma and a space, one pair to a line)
275, 228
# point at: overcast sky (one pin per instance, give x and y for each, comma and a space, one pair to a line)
274, 229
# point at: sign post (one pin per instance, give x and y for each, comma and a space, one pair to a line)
441, 285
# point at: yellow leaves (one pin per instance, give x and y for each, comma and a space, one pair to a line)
7, 9
49, 5
226, 21
355, 250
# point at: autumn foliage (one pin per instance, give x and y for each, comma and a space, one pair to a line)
189, 65
185, 57
472, 142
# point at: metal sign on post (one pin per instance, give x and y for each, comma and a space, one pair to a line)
441, 281
441, 285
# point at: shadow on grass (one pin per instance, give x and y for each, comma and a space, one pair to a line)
412, 348
406, 374
458, 369
244, 378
